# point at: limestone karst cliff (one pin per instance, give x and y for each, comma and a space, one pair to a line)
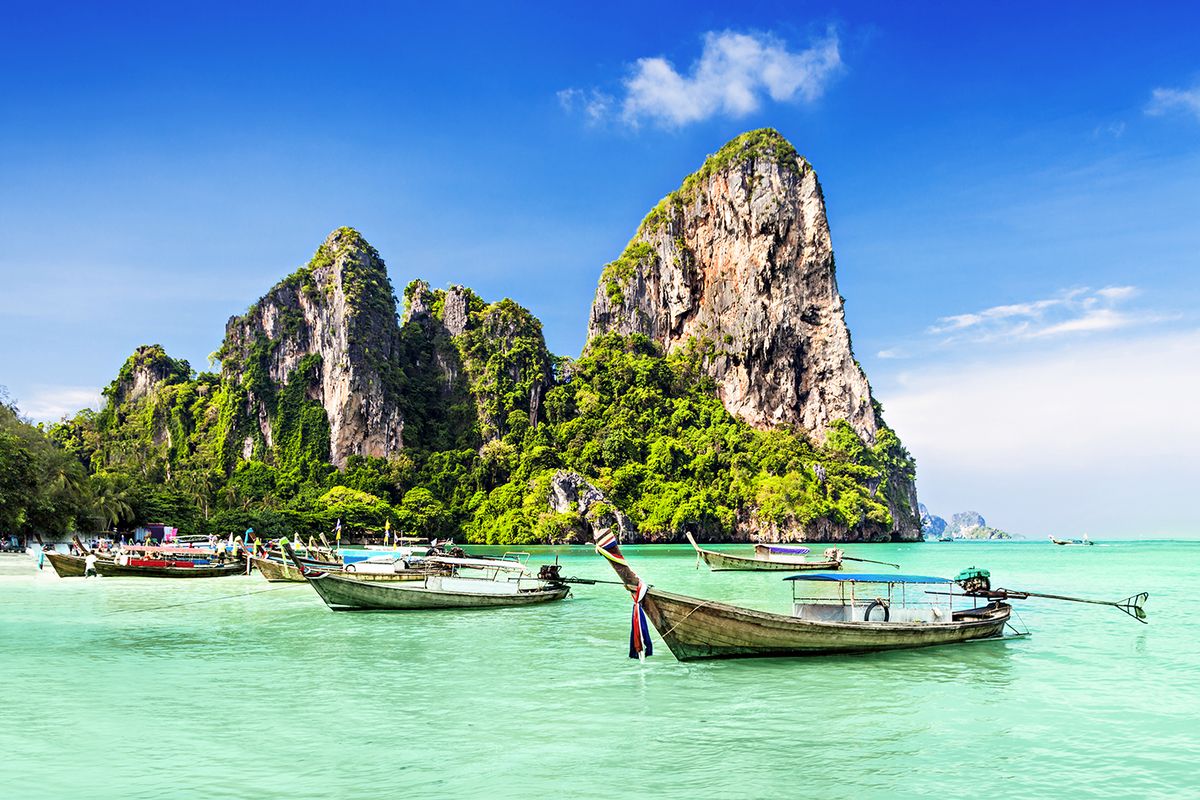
740, 258
331, 326
739, 263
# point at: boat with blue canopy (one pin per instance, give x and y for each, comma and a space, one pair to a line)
832, 613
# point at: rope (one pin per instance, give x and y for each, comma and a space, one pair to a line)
667, 633
194, 602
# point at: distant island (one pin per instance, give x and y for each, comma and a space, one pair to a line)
717, 393
963, 525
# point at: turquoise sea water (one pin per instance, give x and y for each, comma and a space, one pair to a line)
270, 695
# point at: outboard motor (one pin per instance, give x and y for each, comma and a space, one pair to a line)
974, 581
550, 573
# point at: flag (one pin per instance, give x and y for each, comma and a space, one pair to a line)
387, 529
338, 530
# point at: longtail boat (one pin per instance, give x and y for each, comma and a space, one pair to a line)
767, 557
164, 568
162, 562
503, 584
65, 565
866, 613
1085, 541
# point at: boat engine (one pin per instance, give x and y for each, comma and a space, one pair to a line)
974, 580
551, 573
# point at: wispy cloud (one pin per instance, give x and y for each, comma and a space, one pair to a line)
593, 104
50, 403
734, 75
1073, 311
1164, 100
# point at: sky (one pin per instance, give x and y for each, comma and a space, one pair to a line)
1013, 191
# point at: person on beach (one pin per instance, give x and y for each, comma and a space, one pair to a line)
89, 565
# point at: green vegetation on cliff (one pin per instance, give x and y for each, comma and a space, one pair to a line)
648, 429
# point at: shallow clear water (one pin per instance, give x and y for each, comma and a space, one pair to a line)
271, 695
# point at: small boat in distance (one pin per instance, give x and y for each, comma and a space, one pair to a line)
1085, 541
767, 557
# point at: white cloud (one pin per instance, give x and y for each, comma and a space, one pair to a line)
1073, 311
735, 74
1097, 437
594, 104
891, 352
49, 403
1163, 101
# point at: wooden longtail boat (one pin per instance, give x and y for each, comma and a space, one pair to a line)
67, 566
508, 585
767, 557
695, 629
156, 568
139, 561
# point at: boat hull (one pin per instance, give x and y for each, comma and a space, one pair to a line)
355, 594
276, 571
722, 562
696, 629
66, 566
111, 569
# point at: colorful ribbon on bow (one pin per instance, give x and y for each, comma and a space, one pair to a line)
640, 645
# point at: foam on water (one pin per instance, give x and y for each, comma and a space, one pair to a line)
271, 695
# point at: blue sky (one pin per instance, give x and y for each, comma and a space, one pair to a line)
1013, 192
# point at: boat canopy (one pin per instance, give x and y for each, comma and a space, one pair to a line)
479, 563
782, 548
865, 577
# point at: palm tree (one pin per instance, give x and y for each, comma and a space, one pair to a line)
110, 496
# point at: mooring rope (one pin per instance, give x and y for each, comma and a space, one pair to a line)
684, 618
194, 602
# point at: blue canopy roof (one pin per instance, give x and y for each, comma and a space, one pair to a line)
780, 548
866, 577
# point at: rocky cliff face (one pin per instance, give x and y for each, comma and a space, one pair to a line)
932, 526
739, 262
143, 372
331, 325
494, 351
740, 258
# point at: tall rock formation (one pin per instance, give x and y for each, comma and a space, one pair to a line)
740, 256
739, 261
332, 327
